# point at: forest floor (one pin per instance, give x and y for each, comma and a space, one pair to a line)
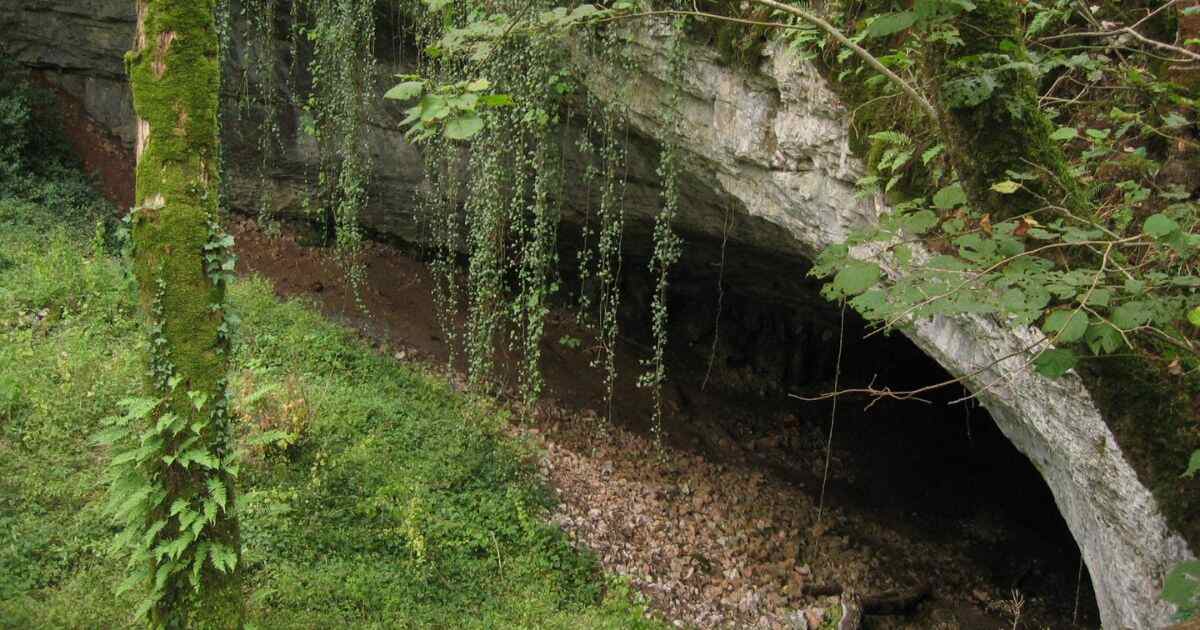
719, 525
398, 502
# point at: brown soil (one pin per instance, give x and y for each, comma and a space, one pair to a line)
103, 155
719, 527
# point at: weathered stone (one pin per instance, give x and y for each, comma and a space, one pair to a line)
782, 155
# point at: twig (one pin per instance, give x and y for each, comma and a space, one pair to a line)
712, 353
913, 393
837, 374
1129, 31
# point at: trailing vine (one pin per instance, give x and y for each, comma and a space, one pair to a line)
338, 38
507, 227
667, 244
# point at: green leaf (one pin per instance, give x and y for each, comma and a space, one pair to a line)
463, 126
932, 153
1013, 300
1182, 586
1099, 297
1194, 316
405, 91
890, 23
1065, 133
1067, 325
1130, 315
969, 91
918, 222
495, 100
478, 85
1006, 187
1193, 466
1159, 225
273, 436
1175, 121
434, 107
950, 197
857, 276
216, 490
1054, 363
114, 434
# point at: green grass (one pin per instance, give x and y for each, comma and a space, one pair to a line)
401, 503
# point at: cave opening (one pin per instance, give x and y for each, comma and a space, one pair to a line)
750, 334
925, 491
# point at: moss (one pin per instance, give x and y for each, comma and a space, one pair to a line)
989, 116
175, 77
1156, 420
738, 44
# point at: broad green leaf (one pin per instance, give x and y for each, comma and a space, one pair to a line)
1182, 586
890, 23
478, 85
434, 107
464, 102
918, 222
1159, 225
1013, 300
1194, 316
406, 91
1065, 133
1102, 338
950, 197
1066, 325
857, 276
1099, 297
463, 126
1130, 315
1054, 363
1193, 466
1006, 187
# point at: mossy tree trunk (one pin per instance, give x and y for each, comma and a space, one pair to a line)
179, 256
988, 113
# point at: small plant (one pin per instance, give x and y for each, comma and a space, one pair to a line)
10, 398
1013, 606
1182, 586
276, 416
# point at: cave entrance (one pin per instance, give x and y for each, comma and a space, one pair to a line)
917, 492
932, 486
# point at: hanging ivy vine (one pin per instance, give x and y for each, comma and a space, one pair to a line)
332, 92
667, 244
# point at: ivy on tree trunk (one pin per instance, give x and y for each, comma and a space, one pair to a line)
181, 265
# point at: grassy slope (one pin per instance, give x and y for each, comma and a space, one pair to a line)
401, 505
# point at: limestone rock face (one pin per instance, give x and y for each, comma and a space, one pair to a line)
767, 148
776, 141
